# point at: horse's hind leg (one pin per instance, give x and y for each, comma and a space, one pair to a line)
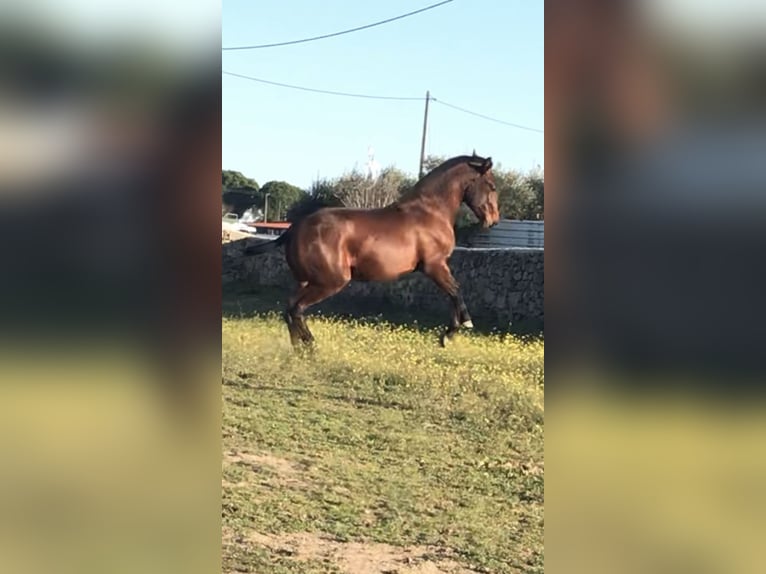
292, 327
442, 276
306, 296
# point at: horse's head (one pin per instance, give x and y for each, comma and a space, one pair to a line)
480, 193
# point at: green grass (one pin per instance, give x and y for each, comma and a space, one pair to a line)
380, 436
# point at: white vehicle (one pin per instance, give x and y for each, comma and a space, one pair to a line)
232, 222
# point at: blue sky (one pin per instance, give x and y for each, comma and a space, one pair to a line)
483, 55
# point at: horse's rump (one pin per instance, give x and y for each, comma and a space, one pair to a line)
376, 244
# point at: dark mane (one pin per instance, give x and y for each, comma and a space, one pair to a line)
450, 163
429, 182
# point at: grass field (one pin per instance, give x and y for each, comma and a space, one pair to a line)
381, 452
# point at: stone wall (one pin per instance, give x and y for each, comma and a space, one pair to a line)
500, 286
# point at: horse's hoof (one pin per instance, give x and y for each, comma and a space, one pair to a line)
445, 339
468, 324
304, 350
308, 345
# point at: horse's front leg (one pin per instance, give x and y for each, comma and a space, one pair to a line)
441, 275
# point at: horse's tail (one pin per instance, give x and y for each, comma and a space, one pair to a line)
268, 245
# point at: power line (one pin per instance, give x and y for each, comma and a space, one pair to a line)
487, 117
291, 42
318, 91
374, 97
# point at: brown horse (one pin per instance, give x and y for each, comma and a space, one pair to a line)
332, 246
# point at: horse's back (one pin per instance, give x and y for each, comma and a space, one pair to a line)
354, 220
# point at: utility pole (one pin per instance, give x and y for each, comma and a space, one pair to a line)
266, 209
423, 142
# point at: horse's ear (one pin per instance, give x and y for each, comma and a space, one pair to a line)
487, 165
474, 153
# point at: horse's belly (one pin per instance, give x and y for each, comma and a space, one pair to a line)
380, 268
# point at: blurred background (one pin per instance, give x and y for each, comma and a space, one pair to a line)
660, 112
656, 210
110, 291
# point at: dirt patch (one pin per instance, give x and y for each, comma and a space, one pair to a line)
279, 465
287, 472
227, 534
363, 557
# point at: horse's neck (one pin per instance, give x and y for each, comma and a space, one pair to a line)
442, 194
446, 194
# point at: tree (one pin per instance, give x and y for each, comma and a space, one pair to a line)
520, 196
355, 189
282, 196
235, 181
323, 191
536, 182
432, 161
238, 202
320, 194
238, 193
